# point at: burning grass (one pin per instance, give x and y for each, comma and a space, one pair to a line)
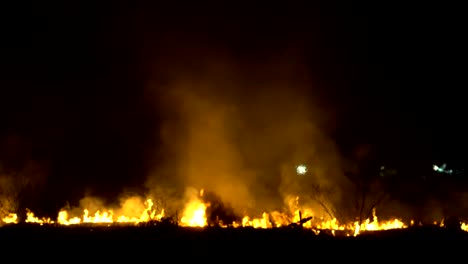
204, 211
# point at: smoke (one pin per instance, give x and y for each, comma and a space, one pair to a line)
207, 154
92, 204
8, 196
18, 186
240, 131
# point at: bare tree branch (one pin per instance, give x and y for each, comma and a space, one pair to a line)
369, 193
375, 203
322, 196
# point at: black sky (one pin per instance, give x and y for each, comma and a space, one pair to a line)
73, 80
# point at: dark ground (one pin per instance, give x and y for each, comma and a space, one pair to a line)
150, 242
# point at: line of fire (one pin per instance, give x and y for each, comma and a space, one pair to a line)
205, 209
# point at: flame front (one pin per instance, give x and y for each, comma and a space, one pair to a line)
11, 218
108, 216
194, 215
31, 218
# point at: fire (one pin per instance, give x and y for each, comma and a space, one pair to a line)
464, 227
108, 216
375, 225
277, 219
31, 218
263, 222
10, 219
63, 219
105, 217
194, 215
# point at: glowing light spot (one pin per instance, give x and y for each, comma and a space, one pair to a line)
301, 169
442, 169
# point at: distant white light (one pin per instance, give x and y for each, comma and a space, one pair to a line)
442, 169
301, 169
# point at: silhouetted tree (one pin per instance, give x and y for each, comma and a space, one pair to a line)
370, 191
323, 196
368, 179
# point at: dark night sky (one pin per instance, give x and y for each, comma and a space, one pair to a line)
73, 81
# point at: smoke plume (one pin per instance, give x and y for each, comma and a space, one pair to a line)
240, 132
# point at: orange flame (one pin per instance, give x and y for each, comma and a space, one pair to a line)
194, 215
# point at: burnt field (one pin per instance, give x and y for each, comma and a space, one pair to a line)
421, 242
